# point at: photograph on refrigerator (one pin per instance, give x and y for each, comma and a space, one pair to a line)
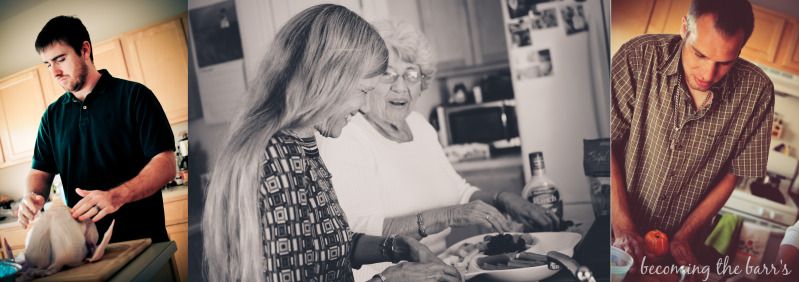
93, 141
703, 129
389, 141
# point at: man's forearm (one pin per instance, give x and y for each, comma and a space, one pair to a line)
707, 208
619, 205
39, 182
157, 173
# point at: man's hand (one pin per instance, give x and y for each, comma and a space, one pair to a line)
630, 242
681, 252
30, 206
97, 204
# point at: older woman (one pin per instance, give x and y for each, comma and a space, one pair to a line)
390, 171
271, 213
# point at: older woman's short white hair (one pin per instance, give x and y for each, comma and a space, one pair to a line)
410, 45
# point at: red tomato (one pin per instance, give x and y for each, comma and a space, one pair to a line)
657, 242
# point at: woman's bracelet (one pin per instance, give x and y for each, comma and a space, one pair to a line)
420, 223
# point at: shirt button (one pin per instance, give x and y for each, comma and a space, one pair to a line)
84, 107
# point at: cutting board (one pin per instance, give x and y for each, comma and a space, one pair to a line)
116, 256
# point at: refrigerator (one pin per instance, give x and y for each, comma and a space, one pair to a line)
559, 61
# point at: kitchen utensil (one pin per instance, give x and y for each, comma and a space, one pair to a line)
579, 272
563, 242
7, 250
620, 263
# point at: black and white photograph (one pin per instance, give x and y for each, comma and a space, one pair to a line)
535, 64
574, 18
521, 8
215, 29
546, 19
520, 33
368, 154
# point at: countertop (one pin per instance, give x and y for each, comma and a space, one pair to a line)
495, 162
177, 191
154, 264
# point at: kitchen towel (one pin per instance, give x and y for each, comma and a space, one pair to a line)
722, 235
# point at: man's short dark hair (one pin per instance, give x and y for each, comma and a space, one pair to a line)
732, 16
65, 29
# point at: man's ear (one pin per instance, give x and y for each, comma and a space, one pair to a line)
86, 49
684, 28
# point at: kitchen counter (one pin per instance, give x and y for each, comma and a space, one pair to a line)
495, 162
154, 264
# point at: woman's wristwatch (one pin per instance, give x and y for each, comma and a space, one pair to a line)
420, 223
389, 248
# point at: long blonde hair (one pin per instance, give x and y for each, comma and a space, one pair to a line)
316, 59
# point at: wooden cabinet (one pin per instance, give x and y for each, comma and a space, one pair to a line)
176, 216
464, 33
108, 55
486, 21
21, 107
626, 19
788, 53
158, 58
765, 40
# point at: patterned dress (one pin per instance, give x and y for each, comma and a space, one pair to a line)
305, 234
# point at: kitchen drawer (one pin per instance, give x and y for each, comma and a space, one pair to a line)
176, 210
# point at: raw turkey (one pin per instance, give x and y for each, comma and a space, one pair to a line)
56, 240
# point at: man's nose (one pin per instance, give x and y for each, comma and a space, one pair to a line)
56, 71
709, 72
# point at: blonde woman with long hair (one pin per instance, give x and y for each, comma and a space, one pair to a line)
271, 213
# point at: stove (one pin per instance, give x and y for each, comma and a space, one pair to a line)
742, 200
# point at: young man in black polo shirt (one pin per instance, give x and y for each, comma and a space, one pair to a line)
108, 138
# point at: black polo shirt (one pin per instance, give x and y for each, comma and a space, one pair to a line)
103, 142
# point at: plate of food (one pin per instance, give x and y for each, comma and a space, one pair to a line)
509, 256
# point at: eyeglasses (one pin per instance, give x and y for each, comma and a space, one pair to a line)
410, 76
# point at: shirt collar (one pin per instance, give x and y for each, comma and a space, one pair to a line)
671, 67
99, 88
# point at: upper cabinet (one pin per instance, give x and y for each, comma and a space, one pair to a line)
773, 42
627, 18
108, 55
21, 107
158, 58
464, 33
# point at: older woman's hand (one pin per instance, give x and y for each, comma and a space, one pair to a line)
531, 215
411, 250
478, 213
413, 271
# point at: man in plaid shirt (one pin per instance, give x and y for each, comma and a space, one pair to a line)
688, 117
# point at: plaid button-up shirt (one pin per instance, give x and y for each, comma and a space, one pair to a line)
674, 154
